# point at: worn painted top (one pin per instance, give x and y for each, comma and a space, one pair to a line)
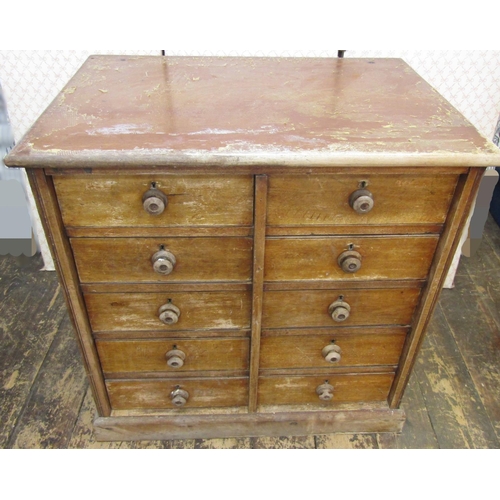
122, 111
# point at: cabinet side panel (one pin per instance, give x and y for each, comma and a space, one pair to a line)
48, 208
464, 195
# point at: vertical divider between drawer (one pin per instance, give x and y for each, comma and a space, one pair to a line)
260, 216
48, 207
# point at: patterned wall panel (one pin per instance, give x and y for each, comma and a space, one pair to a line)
32, 79
468, 79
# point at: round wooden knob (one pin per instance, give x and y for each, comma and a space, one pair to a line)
339, 310
361, 201
169, 314
332, 353
163, 262
349, 261
179, 397
325, 392
154, 201
175, 358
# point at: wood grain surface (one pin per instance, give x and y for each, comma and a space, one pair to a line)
305, 352
149, 355
129, 111
102, 260
205, 200
203, 393
139, 311
382, 258
280, 427
296, 308
303, 200
346, 388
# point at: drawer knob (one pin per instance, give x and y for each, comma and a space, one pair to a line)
175, 358
332, 353
325, 392
339, 310
163, 262
169, 314
154, 201
350, 261
179, 397
361, 201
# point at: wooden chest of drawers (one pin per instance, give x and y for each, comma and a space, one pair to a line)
250, 246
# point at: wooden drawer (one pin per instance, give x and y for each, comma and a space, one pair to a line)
295, 351
156, 394
349, 388
386, 257
324, 199
130, 259
140, 311
135, 356
102, 201
309, 308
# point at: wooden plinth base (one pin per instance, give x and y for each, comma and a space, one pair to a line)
146, 428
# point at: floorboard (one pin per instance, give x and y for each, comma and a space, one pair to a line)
453, 404
31, 311
55, 398
418, 432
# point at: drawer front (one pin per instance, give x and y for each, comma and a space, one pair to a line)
141, 311
387, 257
303, 390
324, 200
323, 351
175, 355
157, 394
99, 201
300, 308
138, 259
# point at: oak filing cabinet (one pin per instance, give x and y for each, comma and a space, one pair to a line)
250, 246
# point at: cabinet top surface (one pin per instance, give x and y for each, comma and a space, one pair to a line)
122, 111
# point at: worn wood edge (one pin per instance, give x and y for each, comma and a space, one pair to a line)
369, 237
364, 284
248, 425
247, 231
166, 287
180, 374
175, 412
458, 212
243, 287
327, 371
241, 161
162, 335
301, 169
260, 217
159, 232
232, 410
343, 331
351, 229
51, 219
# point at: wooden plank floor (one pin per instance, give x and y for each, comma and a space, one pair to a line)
452, 401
